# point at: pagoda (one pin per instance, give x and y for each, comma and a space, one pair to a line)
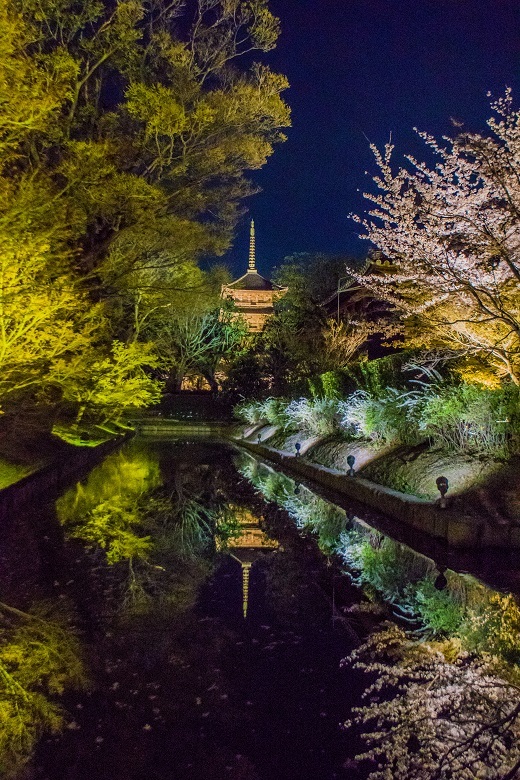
254, 295
250, 544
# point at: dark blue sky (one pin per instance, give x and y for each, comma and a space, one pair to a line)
360, 70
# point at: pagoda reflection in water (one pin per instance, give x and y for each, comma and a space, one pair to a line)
247, 546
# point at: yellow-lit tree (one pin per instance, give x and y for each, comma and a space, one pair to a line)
126, 131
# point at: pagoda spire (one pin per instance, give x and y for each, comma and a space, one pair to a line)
246, 569
252, 259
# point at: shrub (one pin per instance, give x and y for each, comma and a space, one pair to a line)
384, 419
440, 610
319, 416
468, 418
273, 411
249, 411
385, 565
331, 384
375, 376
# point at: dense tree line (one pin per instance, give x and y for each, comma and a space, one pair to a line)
126, 131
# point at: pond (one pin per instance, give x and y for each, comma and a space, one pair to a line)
197, 662
181, 614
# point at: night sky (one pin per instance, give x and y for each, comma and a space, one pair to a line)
359, 71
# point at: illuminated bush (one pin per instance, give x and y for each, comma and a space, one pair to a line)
317, 416
384, 418
249, 412
471, 418
273, 411
440, 611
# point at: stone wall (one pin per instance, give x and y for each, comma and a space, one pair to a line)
458, 529
54, 477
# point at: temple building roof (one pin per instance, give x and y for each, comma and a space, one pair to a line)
253, 294
252, 280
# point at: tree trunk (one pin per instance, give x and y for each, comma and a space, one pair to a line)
174, 381
213, 384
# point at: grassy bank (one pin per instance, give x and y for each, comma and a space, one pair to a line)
406, 439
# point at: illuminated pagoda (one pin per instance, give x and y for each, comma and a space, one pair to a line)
247, 547
254, 295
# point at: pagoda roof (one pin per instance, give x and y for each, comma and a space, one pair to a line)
250, 309
253, 281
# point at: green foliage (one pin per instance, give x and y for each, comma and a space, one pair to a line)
385, 566
299, 341
375, 376
310, 512
249, 412
108, 385
245, 377
384, 418
493, 626
227, 526
105, 510
183, 527
330, 384
199, 344
106, 207
395, 573
440, 610
311, 278
469, 418
461, 417
317, 416
112, 525
317, 516
273, 411
39, 659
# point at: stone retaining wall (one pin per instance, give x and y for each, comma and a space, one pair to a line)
164, 427
459, 529
54, 477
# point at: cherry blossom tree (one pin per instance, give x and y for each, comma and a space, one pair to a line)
435, 713
453, 235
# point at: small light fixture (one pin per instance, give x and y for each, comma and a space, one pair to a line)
440, 581
442, 486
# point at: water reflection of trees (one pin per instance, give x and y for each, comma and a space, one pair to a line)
445, 701
148, 521
309, 512
437, 712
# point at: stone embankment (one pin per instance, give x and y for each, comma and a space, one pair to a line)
52, 478
456, 524
164, 427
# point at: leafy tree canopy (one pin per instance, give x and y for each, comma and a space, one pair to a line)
127, 128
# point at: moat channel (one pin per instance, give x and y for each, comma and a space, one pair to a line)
211, 630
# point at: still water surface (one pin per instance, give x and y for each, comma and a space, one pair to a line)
210, 630
205, 623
